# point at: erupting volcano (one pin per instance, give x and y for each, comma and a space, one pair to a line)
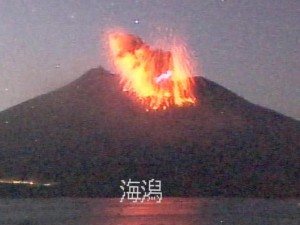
157, 79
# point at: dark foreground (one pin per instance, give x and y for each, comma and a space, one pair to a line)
172, 211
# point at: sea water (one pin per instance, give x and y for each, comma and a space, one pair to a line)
171, 211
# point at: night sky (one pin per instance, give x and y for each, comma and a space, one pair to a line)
249, 46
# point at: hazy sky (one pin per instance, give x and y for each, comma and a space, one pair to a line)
251, 47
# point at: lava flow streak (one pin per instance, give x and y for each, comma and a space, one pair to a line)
157, 79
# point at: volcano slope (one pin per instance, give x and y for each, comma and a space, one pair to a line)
88, 136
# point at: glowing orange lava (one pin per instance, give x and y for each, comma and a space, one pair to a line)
157, 79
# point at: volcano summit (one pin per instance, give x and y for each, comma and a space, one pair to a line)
155, 78
88, 136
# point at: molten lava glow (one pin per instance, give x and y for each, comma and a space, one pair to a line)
157, 79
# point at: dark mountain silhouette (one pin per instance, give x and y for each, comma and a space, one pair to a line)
88, 136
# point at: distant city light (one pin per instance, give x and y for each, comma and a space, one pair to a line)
24, 182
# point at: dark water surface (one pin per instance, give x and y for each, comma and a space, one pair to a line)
171, 211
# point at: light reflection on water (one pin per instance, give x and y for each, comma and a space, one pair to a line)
196, 211
171, 211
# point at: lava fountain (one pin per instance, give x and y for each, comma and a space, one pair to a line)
157, 79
